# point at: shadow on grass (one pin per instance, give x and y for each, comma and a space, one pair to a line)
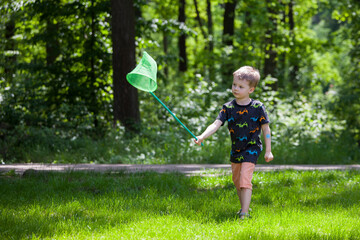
344, 199
48, 204
308, 188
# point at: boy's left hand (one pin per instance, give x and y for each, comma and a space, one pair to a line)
199, 140
268, 156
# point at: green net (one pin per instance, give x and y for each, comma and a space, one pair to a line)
143, 76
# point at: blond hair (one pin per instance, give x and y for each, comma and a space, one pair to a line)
250, 74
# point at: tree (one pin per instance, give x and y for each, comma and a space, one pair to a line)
228, 24
228, 38
126, 103
347, 104
270, 45
208, 36
294, 61
52, 43
198, 18
182, 38
211, 40
10, 46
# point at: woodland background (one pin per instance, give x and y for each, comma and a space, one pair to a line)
64, 97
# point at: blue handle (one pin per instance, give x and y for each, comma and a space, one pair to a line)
174, 116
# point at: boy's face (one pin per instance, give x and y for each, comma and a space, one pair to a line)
241, 88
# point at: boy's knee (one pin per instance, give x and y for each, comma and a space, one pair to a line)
237, 185
246, 185
241, 185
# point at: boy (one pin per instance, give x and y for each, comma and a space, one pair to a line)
246, 118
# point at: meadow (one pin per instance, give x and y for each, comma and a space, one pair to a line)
118, 205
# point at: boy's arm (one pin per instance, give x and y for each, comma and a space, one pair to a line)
210, 130
267, 136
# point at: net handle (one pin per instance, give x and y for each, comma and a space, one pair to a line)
172, 114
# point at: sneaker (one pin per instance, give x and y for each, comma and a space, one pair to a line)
239, 212
243, 216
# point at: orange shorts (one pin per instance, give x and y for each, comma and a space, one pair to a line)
242, 174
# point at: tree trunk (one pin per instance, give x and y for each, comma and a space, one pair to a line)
294, 61
270, 52
52, 42
93, 100
248, 19
165, 47
126, 103
227, 65
10, 46
182, 39
211, 40
245, 37
229, 18
199, 19
282, 65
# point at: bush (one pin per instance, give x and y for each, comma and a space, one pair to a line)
303, 132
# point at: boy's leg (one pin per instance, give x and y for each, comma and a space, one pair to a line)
246, 175
245, 196
236, 171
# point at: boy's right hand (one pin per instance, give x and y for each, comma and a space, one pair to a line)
199, 140
268, 156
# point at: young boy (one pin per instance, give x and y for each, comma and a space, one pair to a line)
246, 118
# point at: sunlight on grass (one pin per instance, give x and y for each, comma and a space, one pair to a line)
74, 205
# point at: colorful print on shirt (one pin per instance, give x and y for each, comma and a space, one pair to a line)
244, 124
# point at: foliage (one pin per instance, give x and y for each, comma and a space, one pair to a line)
347, 102
319, 139
88, 205
63, 79
56, 80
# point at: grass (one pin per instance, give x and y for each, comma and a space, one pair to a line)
80, 205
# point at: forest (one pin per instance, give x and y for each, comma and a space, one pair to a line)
64, 97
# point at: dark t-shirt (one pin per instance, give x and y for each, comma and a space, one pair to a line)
244, 124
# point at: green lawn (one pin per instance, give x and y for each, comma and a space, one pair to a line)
75, 205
